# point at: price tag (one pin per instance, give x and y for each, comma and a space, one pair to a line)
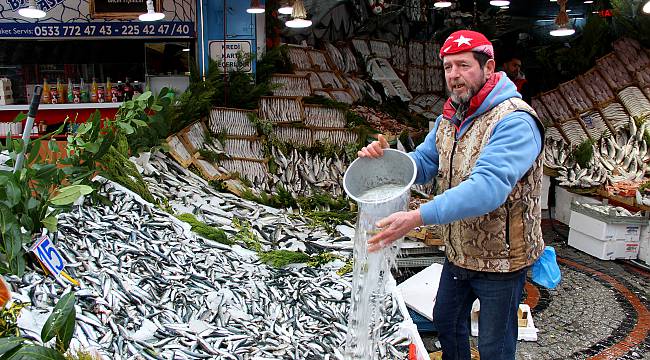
48, 256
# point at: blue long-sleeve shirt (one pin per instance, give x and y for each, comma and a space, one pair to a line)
511, 151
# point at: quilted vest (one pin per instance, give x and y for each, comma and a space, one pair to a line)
510, 237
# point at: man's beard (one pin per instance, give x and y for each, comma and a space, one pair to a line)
463, 99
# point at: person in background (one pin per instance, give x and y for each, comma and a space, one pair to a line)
485, 154
512, 68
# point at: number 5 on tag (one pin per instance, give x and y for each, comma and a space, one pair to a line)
48, 255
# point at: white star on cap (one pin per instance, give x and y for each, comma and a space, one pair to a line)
463, 40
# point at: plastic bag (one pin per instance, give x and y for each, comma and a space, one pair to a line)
546, 272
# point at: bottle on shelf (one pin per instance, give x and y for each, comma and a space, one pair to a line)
54, 92
109, 90
76, 94
114, 94
84, 91
137, 89
93, 91
128, 90
60, 88
101, 93
69, 91
45, 99
120, 90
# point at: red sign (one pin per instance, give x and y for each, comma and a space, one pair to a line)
605, 13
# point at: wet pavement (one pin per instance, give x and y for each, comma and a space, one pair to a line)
600, 310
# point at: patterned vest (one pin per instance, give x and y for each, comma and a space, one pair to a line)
508, 238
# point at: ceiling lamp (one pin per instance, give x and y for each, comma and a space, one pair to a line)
151, 14
442, 4
286, 8
499, 2
255, 7
646, 7
298, 16
32, 11
589, 1
562, 21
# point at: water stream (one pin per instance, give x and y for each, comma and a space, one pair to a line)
371, 271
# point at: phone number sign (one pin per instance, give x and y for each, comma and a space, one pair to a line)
177, 29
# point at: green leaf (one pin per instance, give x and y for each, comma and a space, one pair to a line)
129, 105
53, 146
70, 194
56, 323
20, 117
64, 336
140, 122
32, 203
4, 177
156, 107
13, 193
27, 222
10, 343
144, 96
83, 128
50, 223
35, 148
128, 129
92, 147
36, 352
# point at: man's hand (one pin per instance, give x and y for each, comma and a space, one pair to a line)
375, 149
394, 227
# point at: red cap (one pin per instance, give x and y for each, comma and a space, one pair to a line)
467, 40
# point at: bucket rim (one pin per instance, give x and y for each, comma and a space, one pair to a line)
406, 187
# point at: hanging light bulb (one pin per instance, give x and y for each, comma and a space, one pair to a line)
499, 2
298, 16
255, 7
562, 22
32, 11
442, 4
151, 14
286, 8
646, 7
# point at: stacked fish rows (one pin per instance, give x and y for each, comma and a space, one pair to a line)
244, 148
318, 60
400, 59
294, 136
429, 106
281, 109
614, 72
380, 49
290, 85
319, 116
314, 80
151, 290
231, 121
302, 174
299, 58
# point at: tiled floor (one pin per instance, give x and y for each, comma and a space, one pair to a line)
600, 310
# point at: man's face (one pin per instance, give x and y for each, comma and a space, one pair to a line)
464, 75
512, 68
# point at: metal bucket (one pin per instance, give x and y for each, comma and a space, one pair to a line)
371, 270
395, 167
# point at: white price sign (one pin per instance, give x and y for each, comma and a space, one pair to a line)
48, 255
226, 53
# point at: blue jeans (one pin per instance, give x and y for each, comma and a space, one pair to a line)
499, 295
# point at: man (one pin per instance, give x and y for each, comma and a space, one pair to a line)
485, 152
512, 68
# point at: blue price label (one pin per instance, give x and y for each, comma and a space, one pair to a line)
48, 255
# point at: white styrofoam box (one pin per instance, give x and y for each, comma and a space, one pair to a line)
525, 333
563, 200
407, 327
604, 249
603, 231
546, 184
644, 244
419, 291
6, 97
